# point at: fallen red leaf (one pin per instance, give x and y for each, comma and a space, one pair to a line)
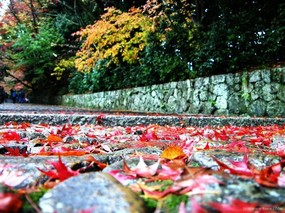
60, 171
240, 168
16, 152
10, 203
99, 119
11, 135
235, 206
148, 136
270, 176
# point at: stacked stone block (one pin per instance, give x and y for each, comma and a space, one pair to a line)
257, 93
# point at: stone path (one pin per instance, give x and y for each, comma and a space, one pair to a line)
97, 191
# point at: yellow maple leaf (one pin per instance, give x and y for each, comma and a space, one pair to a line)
172, 152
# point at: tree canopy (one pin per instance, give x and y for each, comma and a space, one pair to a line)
89, 46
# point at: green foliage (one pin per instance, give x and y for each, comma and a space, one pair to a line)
168, 205
159, 67
62, 67
275, 42
66, 24
151, 203
128, 49
34, 197
239, 35
123, 48
172, 202
36, 52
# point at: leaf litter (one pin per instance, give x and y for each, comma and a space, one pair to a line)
171, 173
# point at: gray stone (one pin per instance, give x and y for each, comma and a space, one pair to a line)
275, 87
275, 108
195, 100
206, 81
237, 78
172, 104
221, 112
208, 108
237, 87
221, 90
266, 76
236, 104
92, 192
254, 95
173, 85
187, 94
189, 83
281, 93
153, 93
221, 102
230, 79
257, 108
283, 75
267, 93
192, 109
277, 75
216, 79
203, 95
254, 76
198, 83
266, 85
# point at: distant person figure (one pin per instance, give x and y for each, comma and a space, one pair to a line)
2, 94
13, 95
21, 96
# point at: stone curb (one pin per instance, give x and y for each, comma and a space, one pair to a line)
133, 120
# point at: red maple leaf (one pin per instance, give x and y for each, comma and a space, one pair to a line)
270, 176
235, 206
11, 135
16, 152
99, 119
148, 136
239, 167
60, 171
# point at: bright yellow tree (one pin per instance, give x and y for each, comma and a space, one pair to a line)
118, 37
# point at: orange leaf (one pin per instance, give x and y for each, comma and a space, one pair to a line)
172, 152
98, 163
54, 138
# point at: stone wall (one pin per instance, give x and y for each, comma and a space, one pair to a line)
258, 93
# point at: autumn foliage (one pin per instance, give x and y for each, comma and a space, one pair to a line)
118, 37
